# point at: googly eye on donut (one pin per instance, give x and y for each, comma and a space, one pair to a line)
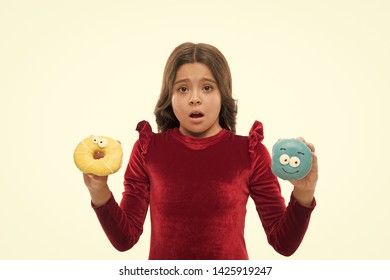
99, 155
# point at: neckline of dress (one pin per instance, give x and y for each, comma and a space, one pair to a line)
199, 143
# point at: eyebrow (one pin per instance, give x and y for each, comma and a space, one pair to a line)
284, 149
202, 80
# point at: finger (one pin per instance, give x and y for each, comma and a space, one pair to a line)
97, 178
314, 162
86, 179
88, 176
310, 145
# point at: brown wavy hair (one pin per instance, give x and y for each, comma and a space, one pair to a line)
218, 65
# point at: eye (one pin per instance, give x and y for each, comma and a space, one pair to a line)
183, 89
295, 162
95, 140
102, 142
284, 159
207, 88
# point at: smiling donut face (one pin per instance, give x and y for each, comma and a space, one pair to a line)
291, 159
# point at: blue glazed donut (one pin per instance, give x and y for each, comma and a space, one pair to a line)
291, 159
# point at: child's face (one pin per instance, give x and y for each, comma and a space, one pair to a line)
196, 100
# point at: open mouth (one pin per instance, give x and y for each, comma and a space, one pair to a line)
290, 172
196, 115
98, 155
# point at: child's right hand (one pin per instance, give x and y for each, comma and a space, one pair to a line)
98, 188
95, 182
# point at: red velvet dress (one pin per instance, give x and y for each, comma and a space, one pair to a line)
197, 190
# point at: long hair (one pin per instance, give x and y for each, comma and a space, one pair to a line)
218, 65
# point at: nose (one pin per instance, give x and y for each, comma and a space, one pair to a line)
195, 99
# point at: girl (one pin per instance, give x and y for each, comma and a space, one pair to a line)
196, 174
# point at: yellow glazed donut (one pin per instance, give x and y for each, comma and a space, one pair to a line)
99, 155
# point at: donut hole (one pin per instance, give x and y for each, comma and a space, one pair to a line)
98, 154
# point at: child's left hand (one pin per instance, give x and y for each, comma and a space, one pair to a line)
304, 188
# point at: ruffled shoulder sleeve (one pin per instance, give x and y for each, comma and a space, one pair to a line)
259, 155
136, 175
256, 136
145, 134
